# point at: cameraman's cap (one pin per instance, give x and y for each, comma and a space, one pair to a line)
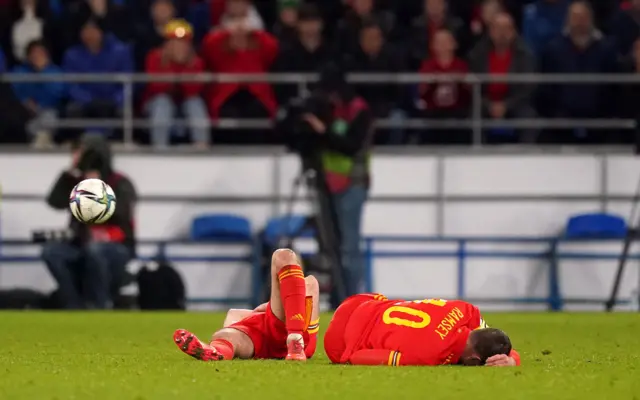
178, 29
332, 78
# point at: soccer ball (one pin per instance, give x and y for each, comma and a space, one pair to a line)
92, 201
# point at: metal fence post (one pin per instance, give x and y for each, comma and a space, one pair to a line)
462, 256
128, 111
302, 89
368, 257
476, 105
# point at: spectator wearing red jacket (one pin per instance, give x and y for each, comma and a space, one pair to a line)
163, 99
445, 99
239, 49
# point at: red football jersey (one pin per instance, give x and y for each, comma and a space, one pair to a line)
420, 332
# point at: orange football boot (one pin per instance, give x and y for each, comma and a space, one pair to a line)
295, 348
189, 344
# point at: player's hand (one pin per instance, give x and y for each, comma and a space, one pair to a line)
261, 308
500, 360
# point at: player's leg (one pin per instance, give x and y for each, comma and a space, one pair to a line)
334, 337
287, 302
313, 291
235, 315
226, 344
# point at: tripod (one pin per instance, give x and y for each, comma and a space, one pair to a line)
325, 222
630, 237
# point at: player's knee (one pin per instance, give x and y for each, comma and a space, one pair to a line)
283, 257
312, 285
224, 334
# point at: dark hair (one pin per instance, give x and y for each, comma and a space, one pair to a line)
308, 12
489, 342
33, 44
92, 21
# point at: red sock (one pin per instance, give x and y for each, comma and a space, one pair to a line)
312, 330
224, 347
293, 293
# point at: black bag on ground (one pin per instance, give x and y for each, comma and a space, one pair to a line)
21, 299
160, 287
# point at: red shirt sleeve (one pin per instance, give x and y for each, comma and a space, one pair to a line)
212, 49
383, 357
268, 47
395, 358
154, 65
514, 354
191, 89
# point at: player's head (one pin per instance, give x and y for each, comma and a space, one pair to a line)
485, 343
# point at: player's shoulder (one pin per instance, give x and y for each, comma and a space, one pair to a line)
461, 304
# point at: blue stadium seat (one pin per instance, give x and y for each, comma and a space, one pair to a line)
220, 227
286, 226
596, 225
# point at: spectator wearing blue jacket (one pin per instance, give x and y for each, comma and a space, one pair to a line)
42, 99
542, 22
581, 50
98, 53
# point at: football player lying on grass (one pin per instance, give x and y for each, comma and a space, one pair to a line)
369, 329
285, 327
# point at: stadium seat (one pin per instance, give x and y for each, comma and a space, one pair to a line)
220, 227
293, 225
596, 225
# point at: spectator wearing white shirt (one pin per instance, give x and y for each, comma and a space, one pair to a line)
242, 10
27, 28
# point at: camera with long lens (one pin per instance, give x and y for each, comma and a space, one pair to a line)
297, 133
53, 235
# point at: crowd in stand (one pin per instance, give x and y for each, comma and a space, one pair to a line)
244, 36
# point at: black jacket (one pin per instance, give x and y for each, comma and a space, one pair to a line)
382, 98
97, 155
523, 62
294, 57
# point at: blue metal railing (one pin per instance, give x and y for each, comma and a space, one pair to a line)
251, 259
550, 253
461, 253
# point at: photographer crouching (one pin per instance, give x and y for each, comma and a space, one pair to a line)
90, 266
338, 125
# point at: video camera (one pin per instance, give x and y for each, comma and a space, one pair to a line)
53, 235
297, 133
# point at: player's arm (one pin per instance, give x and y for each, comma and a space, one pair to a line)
384, 357
515, 356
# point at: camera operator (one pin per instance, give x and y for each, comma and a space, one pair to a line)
90, 268
339, 124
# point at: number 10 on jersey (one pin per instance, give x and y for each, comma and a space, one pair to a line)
421, 318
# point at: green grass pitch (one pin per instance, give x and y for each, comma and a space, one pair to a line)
131, 356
